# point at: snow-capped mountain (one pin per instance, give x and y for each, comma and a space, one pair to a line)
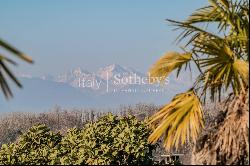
114, 69
108, 86
83, 79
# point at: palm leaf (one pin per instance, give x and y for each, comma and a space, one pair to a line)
222, 68
180, 120
232, 17
167, 64
5, 71
15, 52
242, 68
222, 57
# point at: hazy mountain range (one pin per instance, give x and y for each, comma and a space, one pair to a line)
108, 87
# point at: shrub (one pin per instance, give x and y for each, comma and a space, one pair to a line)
33, 147
108, 141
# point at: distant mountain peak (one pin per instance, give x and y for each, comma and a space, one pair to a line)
79, 71
111, 70
114, 67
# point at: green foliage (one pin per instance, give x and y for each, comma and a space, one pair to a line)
110, 140
33, 147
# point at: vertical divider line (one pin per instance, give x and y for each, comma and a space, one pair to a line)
107, 82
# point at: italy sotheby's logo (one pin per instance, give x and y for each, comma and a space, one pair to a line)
122, 82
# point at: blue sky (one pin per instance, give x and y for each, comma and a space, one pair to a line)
64, 34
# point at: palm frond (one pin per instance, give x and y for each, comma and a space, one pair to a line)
15, 52
166, 64
222, 57
231, 17
224, 12
222, 68
5, 71
190, 30
179, 121
241, 67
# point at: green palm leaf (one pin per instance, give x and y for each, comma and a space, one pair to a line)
222, 68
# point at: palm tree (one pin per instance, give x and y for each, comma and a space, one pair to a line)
4, 69
216, 41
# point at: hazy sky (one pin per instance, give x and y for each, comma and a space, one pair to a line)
64, 34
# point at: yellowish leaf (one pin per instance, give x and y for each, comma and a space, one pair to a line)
181, 119
242, 68
166, 64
